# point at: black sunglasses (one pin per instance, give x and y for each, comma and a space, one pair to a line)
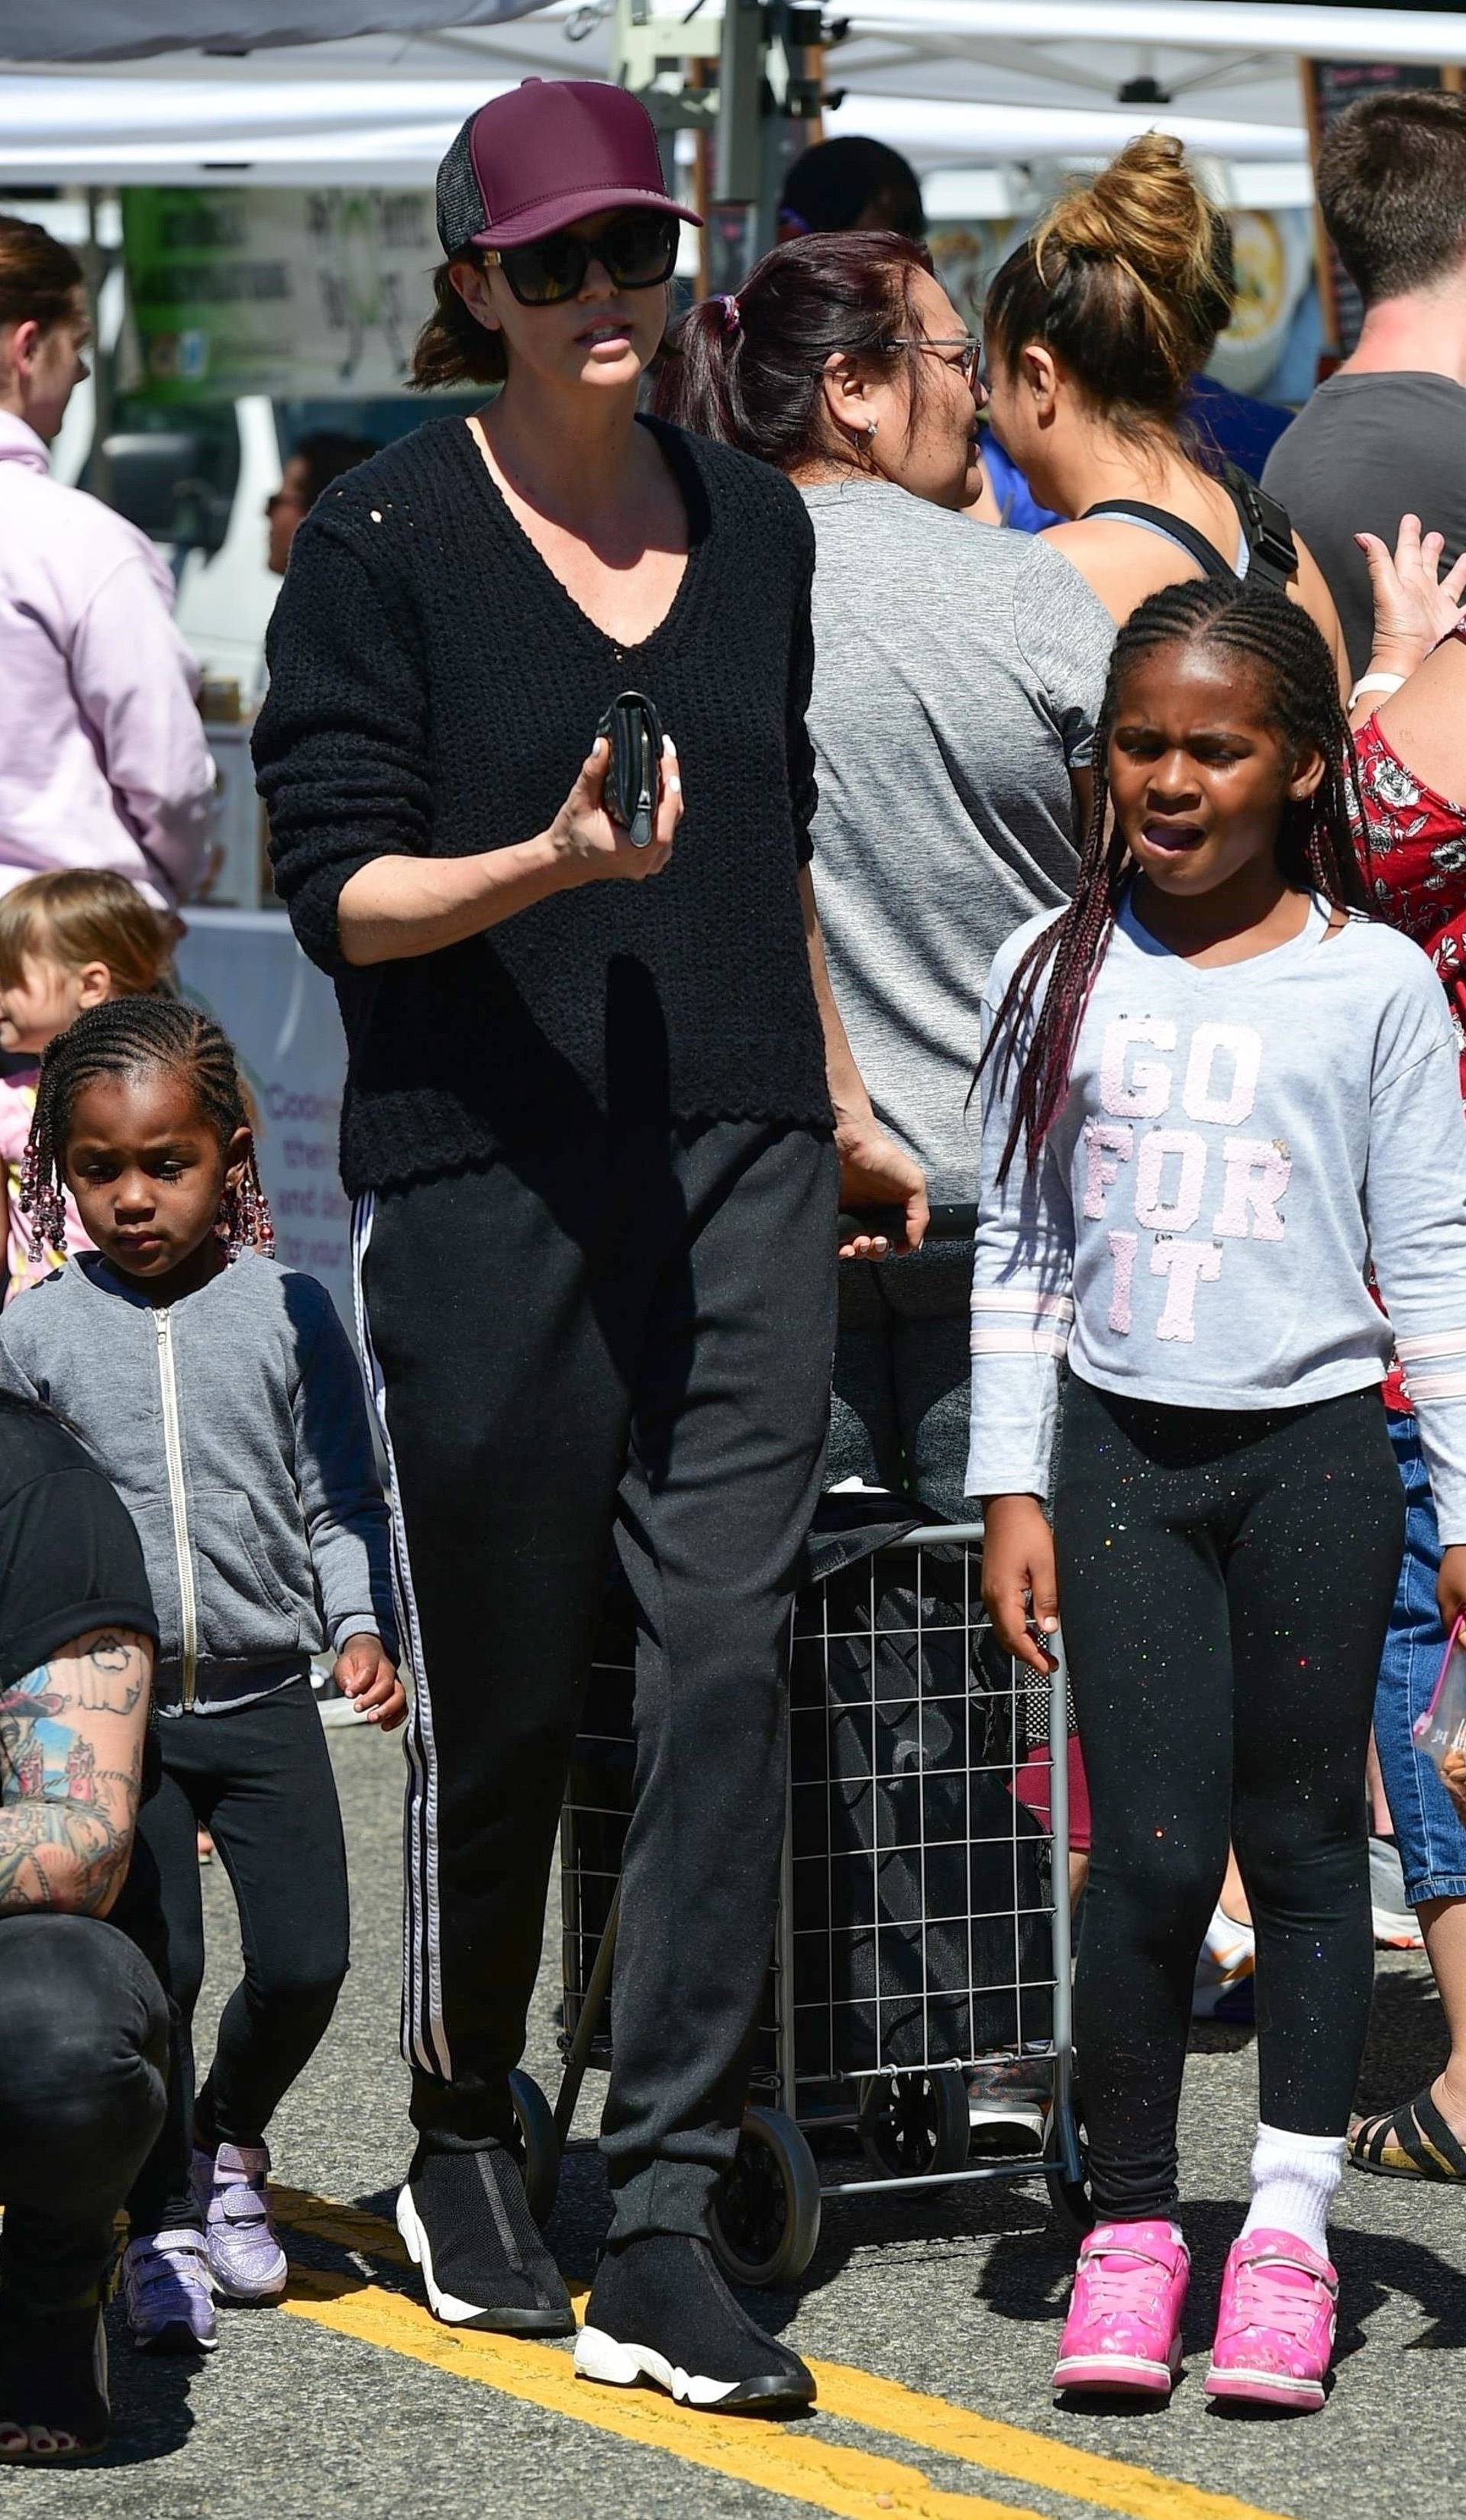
635, 251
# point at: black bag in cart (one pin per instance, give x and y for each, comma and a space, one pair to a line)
919, 1884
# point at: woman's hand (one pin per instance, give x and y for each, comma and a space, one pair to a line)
366, 1673
1414, 606
1020, 1588
875, 1172
590, 846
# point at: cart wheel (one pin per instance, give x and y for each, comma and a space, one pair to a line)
916, 2125
542, 2145
1073, 2205
764, 2222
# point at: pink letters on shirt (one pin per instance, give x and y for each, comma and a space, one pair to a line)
1144, 1093
1184, 1263
1103, 1138
1258, 1172
1199, 1099
1123, 1249
1178, 1213
1172, 1173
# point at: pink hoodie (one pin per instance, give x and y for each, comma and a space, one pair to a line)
103, 761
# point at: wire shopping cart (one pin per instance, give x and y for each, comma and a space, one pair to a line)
923, 1916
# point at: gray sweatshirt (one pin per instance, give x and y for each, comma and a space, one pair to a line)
233, 1425
1238, 1144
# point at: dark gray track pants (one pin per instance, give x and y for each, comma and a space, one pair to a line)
629, 1340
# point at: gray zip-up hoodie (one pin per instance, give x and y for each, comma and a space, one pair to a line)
233, 1425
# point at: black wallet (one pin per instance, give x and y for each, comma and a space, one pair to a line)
634, 778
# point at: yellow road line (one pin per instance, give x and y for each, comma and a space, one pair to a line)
1028, 2458
854, 2484
859, 2397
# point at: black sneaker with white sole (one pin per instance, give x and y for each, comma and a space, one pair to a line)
659, 2310
466, 2224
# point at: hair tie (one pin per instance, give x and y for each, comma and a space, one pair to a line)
733, 313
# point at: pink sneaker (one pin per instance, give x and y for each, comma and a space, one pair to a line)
1276, 2326
1123, 2328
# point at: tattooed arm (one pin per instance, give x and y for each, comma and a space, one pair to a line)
71, 1763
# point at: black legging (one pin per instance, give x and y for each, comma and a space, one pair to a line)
1224, 1583
260, 1779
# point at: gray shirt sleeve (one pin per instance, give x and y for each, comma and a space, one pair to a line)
1064, 635
1417, 1239
341, 1494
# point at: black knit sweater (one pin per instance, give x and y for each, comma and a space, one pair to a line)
433, 691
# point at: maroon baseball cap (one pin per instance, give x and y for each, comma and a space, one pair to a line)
545, 154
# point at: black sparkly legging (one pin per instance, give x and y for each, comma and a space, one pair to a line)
1224, 1583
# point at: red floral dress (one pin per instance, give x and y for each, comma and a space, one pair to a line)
1412, 849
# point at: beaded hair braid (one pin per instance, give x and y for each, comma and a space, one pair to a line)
1314, 847
120, 1037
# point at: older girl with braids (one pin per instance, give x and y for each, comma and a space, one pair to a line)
220, 1393
1214, 1091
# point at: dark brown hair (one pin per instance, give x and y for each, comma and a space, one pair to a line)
453, 347
1392, 188
1128, 280
1298, 688
39, 278
750, 370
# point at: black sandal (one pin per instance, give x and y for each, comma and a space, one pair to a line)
53, 2381
1412, 2141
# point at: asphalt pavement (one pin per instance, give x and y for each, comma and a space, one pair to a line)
933, 2320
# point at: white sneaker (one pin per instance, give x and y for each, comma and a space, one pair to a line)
1227, 1957
1396, 1928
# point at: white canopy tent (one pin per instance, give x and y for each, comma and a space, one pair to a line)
111, 30
953, 83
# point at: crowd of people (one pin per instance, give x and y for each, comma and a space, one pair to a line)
1018, 1063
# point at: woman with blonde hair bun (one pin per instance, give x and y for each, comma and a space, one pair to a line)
1094, 327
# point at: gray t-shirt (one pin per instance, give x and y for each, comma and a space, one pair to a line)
958, 670
1362, 451
1238, 1143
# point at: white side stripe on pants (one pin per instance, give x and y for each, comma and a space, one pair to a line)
424, 2041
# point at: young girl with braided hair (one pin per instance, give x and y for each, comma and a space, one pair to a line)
221, 1394
1213, 1095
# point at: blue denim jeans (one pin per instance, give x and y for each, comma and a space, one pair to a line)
1432, 1840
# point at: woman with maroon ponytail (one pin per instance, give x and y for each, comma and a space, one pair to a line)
957, 676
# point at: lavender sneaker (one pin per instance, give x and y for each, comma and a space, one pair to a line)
170, 2293
246, 2259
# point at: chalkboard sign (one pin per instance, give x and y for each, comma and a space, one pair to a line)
1328, 87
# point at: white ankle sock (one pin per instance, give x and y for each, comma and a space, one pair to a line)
1293, 2182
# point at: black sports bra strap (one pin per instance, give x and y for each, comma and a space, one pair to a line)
1190, 537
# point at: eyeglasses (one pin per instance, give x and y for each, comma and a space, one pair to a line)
968, 365
636, 252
